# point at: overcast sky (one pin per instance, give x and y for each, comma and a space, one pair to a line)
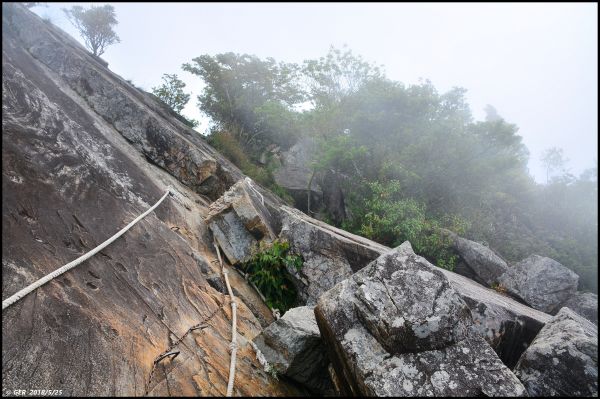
537, 64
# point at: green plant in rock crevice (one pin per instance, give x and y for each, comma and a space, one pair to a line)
267, 270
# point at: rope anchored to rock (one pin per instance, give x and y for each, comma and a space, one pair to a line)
22, 293
233, 346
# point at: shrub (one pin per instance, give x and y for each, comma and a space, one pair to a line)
267, 270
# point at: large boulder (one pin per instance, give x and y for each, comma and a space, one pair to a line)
540, 282
330, 255
239, 220
584, 304
292, 345
398, 328
296, 173
563, 358
479, 262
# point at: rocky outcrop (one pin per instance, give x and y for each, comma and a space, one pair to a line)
479, 262
330, 255
295, 174
397, 328
239, 220
563, 358
540, 282
584, 304
292, 345
84, 153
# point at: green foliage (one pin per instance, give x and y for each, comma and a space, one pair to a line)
95, 25
171, 92
227, 145
412, 159
386, 217
267, 270
249, 97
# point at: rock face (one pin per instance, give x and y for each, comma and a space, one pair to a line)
330, 255
397, 328
584, 304
295, 174
293, 346
563, 358
507, 325
84, 153
480, 263
239, 220
540, 282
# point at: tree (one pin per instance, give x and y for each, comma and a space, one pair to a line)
95, 25
554, 162
250, 98
171, 92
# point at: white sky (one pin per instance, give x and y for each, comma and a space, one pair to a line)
536, 63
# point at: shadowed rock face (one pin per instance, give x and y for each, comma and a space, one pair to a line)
76, 146
563, 358
293, 346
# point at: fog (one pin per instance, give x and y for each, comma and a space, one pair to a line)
535, 63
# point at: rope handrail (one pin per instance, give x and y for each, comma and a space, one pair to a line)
233, 344
22, 293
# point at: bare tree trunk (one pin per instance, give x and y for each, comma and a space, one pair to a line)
309, 192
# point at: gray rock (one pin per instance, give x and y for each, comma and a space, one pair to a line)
293, 346
330, 255
563, 358
480, 262
584, 304
540, 282
239, 220
295, 174
507, 325
397, 328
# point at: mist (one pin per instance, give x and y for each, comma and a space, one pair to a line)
535, 63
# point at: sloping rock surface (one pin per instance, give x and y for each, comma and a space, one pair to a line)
584, 304
397, 328
330, 255
83, 153
480, 262
541, 282
563, 358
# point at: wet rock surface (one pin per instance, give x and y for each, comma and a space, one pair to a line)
293, 346
563, 358
398, 328
540, 282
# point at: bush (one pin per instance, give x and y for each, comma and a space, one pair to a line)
267, 270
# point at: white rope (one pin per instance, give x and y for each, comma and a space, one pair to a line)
233, 346
22, 293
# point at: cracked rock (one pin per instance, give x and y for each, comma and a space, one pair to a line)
397, 328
